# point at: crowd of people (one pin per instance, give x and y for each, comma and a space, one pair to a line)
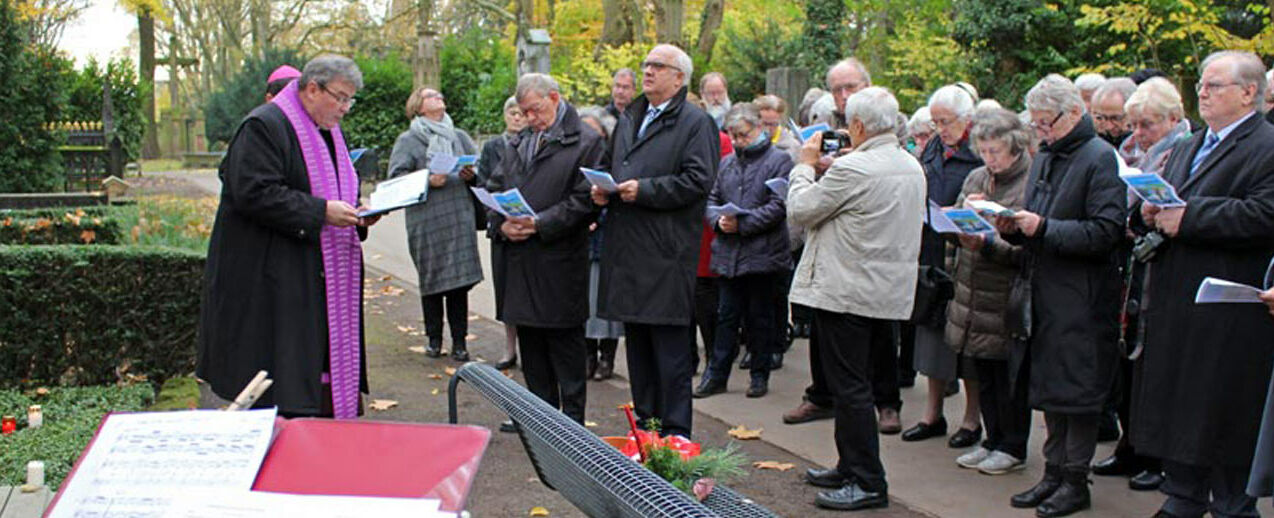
1079, 303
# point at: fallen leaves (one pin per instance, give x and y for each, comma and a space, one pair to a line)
742, 433
451, 371
392, 291
88, 236
433, 392
435, 376
539, 511
590, 424
772, 465
387, 278
474, 317
383, 404
470, 337
417, 349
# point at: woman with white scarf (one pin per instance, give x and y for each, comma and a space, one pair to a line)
440, 232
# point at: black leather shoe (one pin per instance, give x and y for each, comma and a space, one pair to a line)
776, 361
825, 478
923, 430
745, 363
1070, 498
851, 498
964, 438
759, 387
508, 427
507, 364
1045, 488
1146, 481
707, 387
459, 354
434, 348
1115, 465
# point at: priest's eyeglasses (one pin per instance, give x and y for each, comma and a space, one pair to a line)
347, 101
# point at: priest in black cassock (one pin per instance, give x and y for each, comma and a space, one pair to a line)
283, 282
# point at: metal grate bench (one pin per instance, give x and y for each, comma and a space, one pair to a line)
591, 474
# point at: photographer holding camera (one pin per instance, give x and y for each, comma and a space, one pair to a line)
1205, 367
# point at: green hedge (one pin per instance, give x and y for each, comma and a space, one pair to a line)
71, 415
84, 315
70, 227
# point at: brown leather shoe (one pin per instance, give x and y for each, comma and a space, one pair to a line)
889, 422
806, 412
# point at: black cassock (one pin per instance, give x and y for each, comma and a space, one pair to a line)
264, 304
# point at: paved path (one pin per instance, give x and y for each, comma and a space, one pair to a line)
16, 504
922, 476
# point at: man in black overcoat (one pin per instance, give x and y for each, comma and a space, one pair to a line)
664, 160
545, 258
1199, 394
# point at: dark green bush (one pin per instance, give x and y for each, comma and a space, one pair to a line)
71, 415
380, 114
127, 92
478, 73
70, 227
227, 107
33, 91
82, 315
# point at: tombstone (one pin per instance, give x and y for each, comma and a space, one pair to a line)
788, 83
533, 52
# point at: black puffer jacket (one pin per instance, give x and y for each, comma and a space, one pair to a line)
761, 244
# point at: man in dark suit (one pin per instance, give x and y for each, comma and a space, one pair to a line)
664, 159
1201, 388
543, 261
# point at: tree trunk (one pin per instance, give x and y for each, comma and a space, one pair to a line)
552, 6
426, 58
713, 10
617, 29
669, 19
260, 15
146, 42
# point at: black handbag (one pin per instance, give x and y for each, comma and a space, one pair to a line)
934, 287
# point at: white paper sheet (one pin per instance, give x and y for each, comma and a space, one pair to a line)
443, 163
779, 186
600, 179
990, 208
729, 209
260, 504
1215, 291
397, 193
140, 462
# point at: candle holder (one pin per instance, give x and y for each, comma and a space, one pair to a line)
8, 424
35, 416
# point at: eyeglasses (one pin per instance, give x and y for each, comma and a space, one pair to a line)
1101, 117
847, 87
944, 122
1042, 126
740, 135
1211, 86
347, 101
435, 95
657, 65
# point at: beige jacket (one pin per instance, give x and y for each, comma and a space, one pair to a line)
862, 220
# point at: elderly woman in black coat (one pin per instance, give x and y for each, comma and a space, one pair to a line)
492, 153
1070, 229
750, 250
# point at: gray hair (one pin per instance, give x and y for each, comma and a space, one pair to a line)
681, 59
598, 114
803, 111
955, 99
511, 102
625, 72
920, 118
330, 67
703, 81
1246, 69
848, 62
1054, 93
771, 102
875, 107
1002, 125
540, 84
987, 104
1155, 96
742, 113
1119, 85
901, 129
1089, 81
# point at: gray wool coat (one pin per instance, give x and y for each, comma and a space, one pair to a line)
441, 232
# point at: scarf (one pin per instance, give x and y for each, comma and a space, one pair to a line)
342, 252
440, 136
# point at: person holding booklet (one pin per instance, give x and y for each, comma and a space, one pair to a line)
1065, 303
749, 251
1206, 367
985, 266
492, 153
544, 257
440, 232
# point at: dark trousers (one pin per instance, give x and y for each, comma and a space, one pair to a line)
1189, 487
907, 351
1005, 412
456, 303
782, 285
845, 342
1072, 440
750, 298
882, 370
659, 374
706, 302
1123, 409
553, 365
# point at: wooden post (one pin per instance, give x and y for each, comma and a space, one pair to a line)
788, 83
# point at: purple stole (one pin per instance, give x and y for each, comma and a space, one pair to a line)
342, 252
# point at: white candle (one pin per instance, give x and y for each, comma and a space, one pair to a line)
35, 473
35, 416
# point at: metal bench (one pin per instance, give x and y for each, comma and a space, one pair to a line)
591, 474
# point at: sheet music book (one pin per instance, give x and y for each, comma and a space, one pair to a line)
262, 504
138, 464
396, 193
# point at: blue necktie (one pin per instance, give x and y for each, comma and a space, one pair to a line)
1209, 143
650, 117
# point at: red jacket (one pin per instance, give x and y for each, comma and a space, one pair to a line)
705, 239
